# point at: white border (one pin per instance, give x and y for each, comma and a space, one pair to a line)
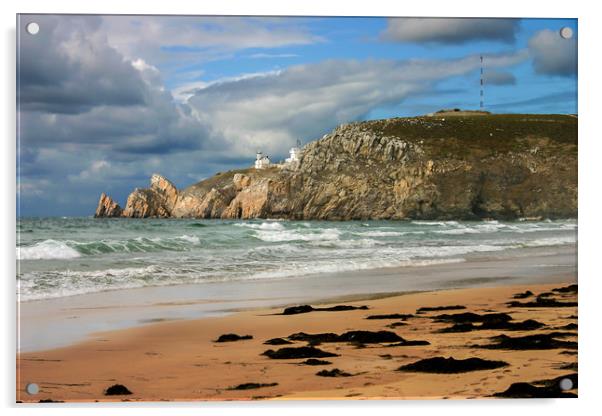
589, 196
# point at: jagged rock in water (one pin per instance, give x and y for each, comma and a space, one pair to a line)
107, 207
468, 167
157, 201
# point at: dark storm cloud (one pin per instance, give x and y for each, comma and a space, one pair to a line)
450, 30
63, 69
75, 89
552, 54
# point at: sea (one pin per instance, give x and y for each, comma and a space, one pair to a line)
59, 257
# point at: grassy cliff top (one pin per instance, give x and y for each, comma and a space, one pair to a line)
495, 132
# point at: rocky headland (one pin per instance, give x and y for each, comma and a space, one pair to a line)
443, 166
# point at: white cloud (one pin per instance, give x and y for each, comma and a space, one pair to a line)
552, 54
198, 37
272, 111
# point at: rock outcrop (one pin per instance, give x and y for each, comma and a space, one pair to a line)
157, 201
107, 207
452, 167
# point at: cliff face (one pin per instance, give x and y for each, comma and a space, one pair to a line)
452, 167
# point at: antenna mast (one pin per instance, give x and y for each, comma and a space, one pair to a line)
482, 98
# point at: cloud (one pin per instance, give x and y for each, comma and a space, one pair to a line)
450, 31
494, 77
552, 54
175, 39
68, 69
272, 55
305, 101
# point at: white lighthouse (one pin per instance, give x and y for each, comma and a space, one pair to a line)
294, 153
261, 161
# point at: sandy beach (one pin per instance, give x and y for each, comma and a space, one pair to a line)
181, 360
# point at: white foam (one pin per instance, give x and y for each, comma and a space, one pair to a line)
190, 238
552, 241
435, 222
347, 265
382, 234
70, 283
46, 250
262, 226
289, 235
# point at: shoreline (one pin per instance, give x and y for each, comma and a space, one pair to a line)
57, 322
180, 360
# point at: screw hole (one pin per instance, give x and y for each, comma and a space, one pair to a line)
32, 388
32, 28
566, 384
566, 32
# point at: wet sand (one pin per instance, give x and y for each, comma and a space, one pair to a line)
180, 360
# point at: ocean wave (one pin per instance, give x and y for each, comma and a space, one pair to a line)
47, 250
70, 249
57, 284
420, 222
190, 238
552, 241
290, 235
385, 233
262, 226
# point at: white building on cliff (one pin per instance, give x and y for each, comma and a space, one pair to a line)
294, 154
261, 161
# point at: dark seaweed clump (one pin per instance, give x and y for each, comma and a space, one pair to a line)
315, 361
362, 337
251, 386
335, 372
451, 365
464, 322
546, 389
542, 301
277, 341
298, 352
358, 338
117, 390
402, 316
396, 324
530, 342
569, 327
232, 337
566, 289
294, 310
523, 295
439, 308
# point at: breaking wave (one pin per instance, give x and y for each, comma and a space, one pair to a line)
46, 250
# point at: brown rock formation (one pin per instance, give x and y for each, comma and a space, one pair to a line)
157, 201
107, 207
468, 167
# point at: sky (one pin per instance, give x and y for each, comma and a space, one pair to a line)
106, 101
